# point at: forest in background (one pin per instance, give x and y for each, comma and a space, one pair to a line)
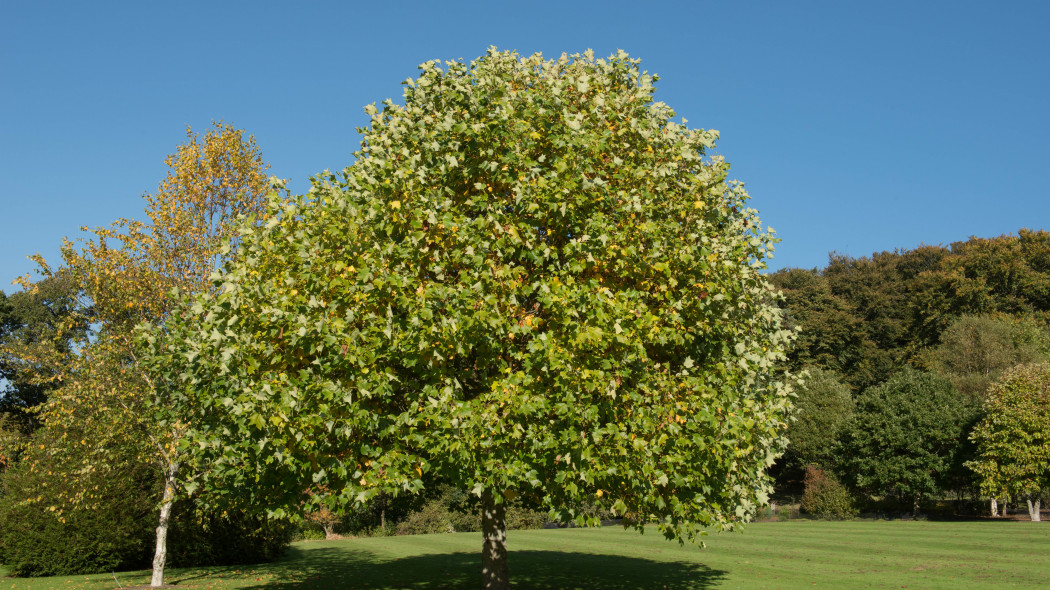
883, 338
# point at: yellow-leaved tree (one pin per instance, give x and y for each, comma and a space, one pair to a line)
127, 274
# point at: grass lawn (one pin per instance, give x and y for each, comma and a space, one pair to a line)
795, 554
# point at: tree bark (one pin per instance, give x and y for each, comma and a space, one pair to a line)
1033, 509
382, 512
161, 554
995, 507
495, 574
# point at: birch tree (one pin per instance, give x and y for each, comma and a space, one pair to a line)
127, 274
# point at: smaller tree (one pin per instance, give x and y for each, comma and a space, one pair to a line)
1013, 439
38, 329
125, 274
825, 497
904, 439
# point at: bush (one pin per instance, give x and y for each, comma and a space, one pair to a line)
824, 497
115, 526
522, 518
433, 517
42, 536
197, 539
455, 511
305, 530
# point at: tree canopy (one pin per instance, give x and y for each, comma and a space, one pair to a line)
1013, 439
125, 274
822, 410
904, 438
530, 282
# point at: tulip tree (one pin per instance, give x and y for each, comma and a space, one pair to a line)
531, 281
1013, 439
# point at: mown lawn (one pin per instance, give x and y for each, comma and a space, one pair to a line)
795, 554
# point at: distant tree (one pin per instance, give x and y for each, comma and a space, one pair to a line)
530, 281
904, 440
822, 410
38, 327
1013, 439
831, 332
975, 350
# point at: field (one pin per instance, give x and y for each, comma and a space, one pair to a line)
794, 554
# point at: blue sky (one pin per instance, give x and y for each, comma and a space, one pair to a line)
858, 127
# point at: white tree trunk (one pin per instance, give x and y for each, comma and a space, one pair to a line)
495, 574
161, 554
1033, 509
995, 507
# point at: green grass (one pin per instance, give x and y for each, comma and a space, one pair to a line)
795, 554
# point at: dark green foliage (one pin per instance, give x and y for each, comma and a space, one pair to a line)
866, 317
197, 539
42, 537
825, 497
823, 407
40, 326
904, 440
114, 526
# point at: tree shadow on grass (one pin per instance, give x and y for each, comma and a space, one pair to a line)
332, 568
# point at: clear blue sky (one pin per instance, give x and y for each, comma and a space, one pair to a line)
858, 127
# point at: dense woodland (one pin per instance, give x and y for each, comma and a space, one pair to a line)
902, 350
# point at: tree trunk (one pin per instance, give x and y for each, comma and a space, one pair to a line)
915, 508
494, 572
1033, 509
995, 507
382, 512
1006, 506
161, 553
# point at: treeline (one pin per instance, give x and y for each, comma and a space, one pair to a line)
904, 352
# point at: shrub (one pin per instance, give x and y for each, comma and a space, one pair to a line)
454, 511
824, 497
305, 530
433, 517
114, 527
199, 539
42, 536
522, 518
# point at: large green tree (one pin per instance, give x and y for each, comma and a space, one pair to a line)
530, 282
904, 440
1013, 439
